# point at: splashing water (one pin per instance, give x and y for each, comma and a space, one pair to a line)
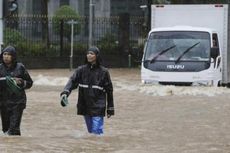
149, 89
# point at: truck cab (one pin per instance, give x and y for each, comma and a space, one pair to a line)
182, 55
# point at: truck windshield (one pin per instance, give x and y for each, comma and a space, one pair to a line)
181, 41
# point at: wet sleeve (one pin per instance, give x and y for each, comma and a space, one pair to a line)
27, 81
72, 83
109, 92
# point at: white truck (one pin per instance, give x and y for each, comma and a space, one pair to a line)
187, 45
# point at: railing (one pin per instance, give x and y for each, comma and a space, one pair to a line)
42, 36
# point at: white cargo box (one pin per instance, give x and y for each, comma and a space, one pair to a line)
208, 16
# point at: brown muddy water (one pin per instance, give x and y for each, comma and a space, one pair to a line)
148, 119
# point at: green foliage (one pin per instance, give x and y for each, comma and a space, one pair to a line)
64, 14
108, 44
31, 49
78, 49
24, 47
12, 37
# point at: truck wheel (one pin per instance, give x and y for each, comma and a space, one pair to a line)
219, 84
228, 85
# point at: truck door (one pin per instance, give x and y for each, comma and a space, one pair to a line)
215, 48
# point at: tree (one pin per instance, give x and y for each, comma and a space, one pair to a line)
64, 14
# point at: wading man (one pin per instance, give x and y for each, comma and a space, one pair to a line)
95, 96
14, 79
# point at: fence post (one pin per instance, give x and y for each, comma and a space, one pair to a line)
72, 22
123, 34
1, 25
91, 15
71, 52
129, 60
61, 37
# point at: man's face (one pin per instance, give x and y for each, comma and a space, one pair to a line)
7, 58
91, 57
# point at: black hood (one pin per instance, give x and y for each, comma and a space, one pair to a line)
11, 50
97, 53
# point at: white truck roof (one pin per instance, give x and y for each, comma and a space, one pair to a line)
184, 28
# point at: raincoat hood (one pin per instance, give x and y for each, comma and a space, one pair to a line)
97, 53
11, 50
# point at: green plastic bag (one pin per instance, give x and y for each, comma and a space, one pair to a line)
12, 85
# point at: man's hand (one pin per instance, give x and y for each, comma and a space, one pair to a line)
19, 81
64, 100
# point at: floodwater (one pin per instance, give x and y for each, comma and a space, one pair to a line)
148, 118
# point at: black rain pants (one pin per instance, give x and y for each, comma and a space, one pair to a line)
11, 120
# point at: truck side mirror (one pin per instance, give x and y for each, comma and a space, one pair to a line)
215, 51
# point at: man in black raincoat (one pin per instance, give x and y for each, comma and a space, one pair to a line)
12, 102
95, 95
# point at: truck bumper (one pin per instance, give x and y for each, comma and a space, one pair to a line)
206, 77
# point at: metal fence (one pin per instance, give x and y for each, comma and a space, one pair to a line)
42, 36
